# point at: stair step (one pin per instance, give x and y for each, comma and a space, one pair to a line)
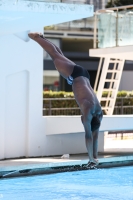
113, 71
106, 98
106, 108
109, 89
111, 80
115, 61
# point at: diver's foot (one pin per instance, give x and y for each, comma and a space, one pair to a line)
35, 36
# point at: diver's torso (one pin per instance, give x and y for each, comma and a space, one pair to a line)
83, 92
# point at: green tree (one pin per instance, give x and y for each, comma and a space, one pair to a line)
115, 3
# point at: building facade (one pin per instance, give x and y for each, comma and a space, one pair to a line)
75, 38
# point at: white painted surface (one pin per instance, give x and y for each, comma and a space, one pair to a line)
72, 124
20, 16
118, 145
21, 75
125, 52
65, 134
16, 90
52, 73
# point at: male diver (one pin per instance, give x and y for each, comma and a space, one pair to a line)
85, 97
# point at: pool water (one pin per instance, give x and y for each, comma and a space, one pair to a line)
99, 184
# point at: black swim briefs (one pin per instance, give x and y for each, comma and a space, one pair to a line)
77, 71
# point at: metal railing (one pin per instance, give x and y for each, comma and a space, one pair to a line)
121, 108
49, 108
59, 1
114, 27
83, 25
64, 109
121, 135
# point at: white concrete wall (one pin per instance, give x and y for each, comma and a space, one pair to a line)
21, 75
122, 52
55, 125
65, 134
19, 16
126, 82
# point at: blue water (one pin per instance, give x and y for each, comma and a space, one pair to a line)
100, 184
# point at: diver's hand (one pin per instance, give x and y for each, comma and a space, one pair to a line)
92, 164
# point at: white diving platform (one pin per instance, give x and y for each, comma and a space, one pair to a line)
122, 52
23, 15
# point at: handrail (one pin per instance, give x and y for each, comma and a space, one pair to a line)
119, 107
108, 10
116, 8
59, 1
126, 97
59, 98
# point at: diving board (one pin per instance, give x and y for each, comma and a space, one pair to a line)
20, 16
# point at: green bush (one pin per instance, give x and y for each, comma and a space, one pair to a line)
66, 103
60, 94
131, 94
122, 93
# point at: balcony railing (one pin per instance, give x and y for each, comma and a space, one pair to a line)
114, 27
58, 1
122, 106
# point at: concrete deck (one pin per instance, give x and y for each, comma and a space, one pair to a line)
45, 165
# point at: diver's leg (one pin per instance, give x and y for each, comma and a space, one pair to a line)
86, 119
95, 143
62, 64
57, 48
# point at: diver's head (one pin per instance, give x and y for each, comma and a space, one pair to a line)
95, 123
